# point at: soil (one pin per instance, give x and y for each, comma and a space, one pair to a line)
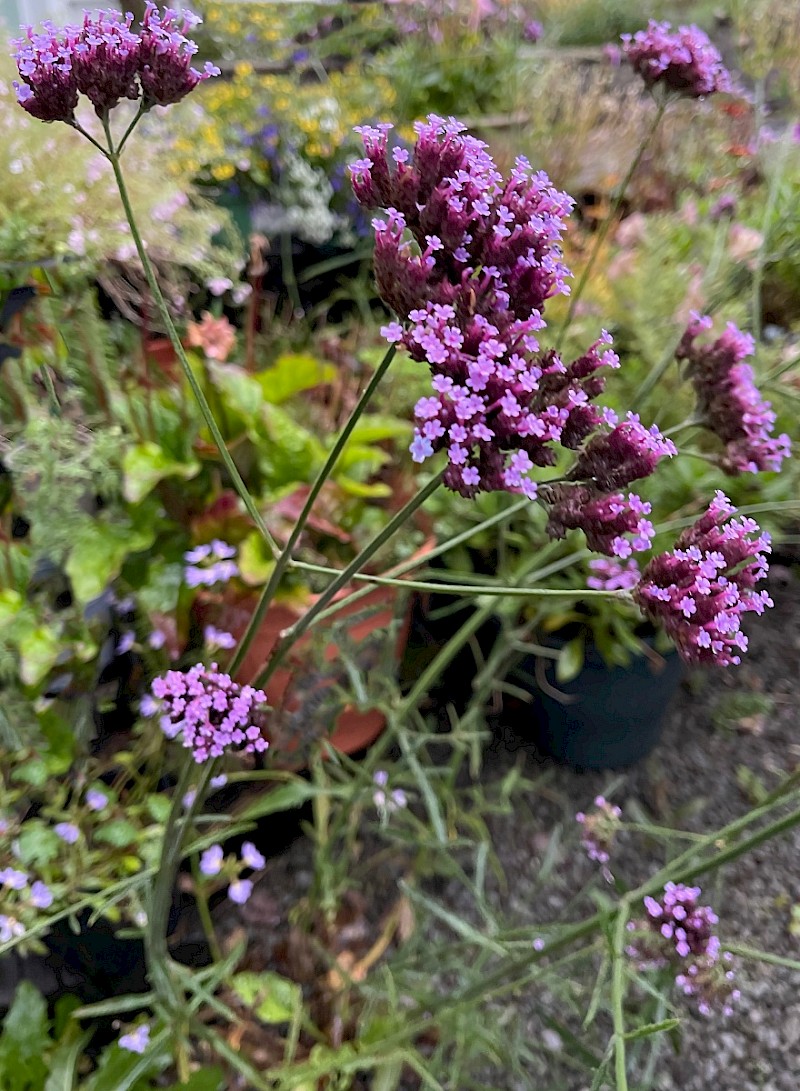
715, 756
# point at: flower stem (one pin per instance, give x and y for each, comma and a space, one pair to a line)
607, 222
766, 224
285, 558
618, 997
172, 333
294, 632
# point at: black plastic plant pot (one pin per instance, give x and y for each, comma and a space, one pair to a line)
607, 717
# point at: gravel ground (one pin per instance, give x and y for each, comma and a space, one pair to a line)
696, 779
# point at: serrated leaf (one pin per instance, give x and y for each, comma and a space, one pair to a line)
273, 998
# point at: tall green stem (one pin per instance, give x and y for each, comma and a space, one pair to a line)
608, 221
618, 997
172, 333
285, 558
294, 633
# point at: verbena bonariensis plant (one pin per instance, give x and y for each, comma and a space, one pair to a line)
467, 260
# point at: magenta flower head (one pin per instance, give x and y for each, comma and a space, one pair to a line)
166, 71
700, 590
107, 60
626, 453
614, 524
684, 61
49, 88
728, 400
210, 712
610, 575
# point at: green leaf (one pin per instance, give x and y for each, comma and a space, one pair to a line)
120, 1070
158, 807
570, 660
145, 465
287, 797
375, 428
377, 490
652, 1028
255, 560
98, 552
11, 602
241, 393
39, 648
292, 374
119, 833
24, 1041
37, 843
64, 1060
34, 772
288, 453
273, 998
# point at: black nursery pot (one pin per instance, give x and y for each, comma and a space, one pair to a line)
612, 716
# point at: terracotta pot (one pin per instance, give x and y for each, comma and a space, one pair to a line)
303, 691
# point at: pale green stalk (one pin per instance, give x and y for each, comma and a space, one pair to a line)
618, 997
172, 333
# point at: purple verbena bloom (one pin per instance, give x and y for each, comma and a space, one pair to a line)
628, 452
126, 642
680, 933
165, 72
209, 564
210, 712
136, 1041
600, 827
106, 59
49, 90
218, 782
211, 861
96, 800
532, 30
702, 588
684, 61
148, 706
13, 879
614, 524
240, 890
251, 857
157, 639
729, 402
611, 575
41, 896
67, 831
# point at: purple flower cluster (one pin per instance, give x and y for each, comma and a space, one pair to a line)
387, 801
210, 563
467, 260
106, 60
600, 827
684, 937
136, 1041
210, 712
610, 575
700, 590
728, 400
684, 61
614, 524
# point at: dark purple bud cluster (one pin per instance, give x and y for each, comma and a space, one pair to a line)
106, 60
728, 400
684, 61
605, 518
682, 936
210, 712
700, 590
627, 453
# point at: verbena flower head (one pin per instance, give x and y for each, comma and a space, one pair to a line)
485, 244
728, 400
683, 937
600, 827
700, 590
684, 61
210, 712
210, 563
614, 524
627, 453
165, 71
107, 60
